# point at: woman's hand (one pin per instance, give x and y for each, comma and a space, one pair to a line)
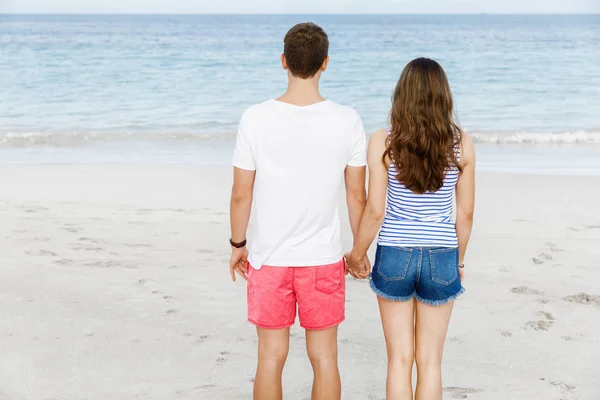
360, 268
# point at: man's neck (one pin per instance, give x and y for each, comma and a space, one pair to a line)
302, 92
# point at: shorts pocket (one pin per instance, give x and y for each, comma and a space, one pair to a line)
392, 262
328, 279
444, 265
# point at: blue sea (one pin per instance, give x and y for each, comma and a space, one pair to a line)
171, 89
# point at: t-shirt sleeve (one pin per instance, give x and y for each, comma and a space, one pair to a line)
243, 156
358, 158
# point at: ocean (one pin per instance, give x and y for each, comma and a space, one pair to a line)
171, 89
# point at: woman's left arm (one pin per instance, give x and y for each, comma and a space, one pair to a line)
375, 209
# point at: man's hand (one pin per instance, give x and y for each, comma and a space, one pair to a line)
238, 263
360, 268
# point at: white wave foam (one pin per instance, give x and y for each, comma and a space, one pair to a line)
575, 137
81, 139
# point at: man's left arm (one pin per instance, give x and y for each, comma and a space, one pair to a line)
356, 197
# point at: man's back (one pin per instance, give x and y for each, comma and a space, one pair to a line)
300, 154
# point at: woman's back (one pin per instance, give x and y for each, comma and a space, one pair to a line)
419, 220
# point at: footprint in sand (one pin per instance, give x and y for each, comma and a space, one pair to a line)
222, 357
136, 223
64, 261
507, 334
109, 264
583, 298
525, 290
168, 297
554, 247
137, 245
563, 386
172, 311
84, 248
543, 324
202, 338
40, 253
542, 258
460, 392
201, 389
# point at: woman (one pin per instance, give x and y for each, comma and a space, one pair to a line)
421, 162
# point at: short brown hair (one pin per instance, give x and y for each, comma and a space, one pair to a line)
306, 47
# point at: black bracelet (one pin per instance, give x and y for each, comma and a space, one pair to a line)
237, 245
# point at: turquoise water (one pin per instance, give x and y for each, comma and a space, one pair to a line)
172, 88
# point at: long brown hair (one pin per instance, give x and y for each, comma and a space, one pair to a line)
424, 135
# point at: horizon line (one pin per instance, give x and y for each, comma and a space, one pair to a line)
291, 14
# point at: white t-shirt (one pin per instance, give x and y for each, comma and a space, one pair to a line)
300, 155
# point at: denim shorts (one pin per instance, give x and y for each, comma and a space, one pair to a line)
429, 274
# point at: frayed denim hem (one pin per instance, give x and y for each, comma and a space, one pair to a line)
397, 299
440, 302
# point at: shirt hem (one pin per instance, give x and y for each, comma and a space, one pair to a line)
281, 263
357, 164
444, 245
244, 167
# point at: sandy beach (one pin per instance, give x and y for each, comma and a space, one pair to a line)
114, 284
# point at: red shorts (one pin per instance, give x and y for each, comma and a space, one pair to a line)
320, 293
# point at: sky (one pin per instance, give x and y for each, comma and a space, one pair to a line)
302, 6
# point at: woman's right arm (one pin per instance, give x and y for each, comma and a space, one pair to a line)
465, 196
375, 209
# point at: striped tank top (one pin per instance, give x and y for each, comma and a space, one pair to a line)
419, 220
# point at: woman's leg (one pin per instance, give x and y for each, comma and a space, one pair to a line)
273, 347
398, 321
431, 329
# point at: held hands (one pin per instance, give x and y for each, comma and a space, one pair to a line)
360, 268
238, 263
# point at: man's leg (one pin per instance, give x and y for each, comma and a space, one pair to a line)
273, 346
321, 293
323, 354
272, 308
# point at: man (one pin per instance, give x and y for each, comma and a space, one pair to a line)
292, 156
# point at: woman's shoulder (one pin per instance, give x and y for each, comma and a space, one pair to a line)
379, 136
